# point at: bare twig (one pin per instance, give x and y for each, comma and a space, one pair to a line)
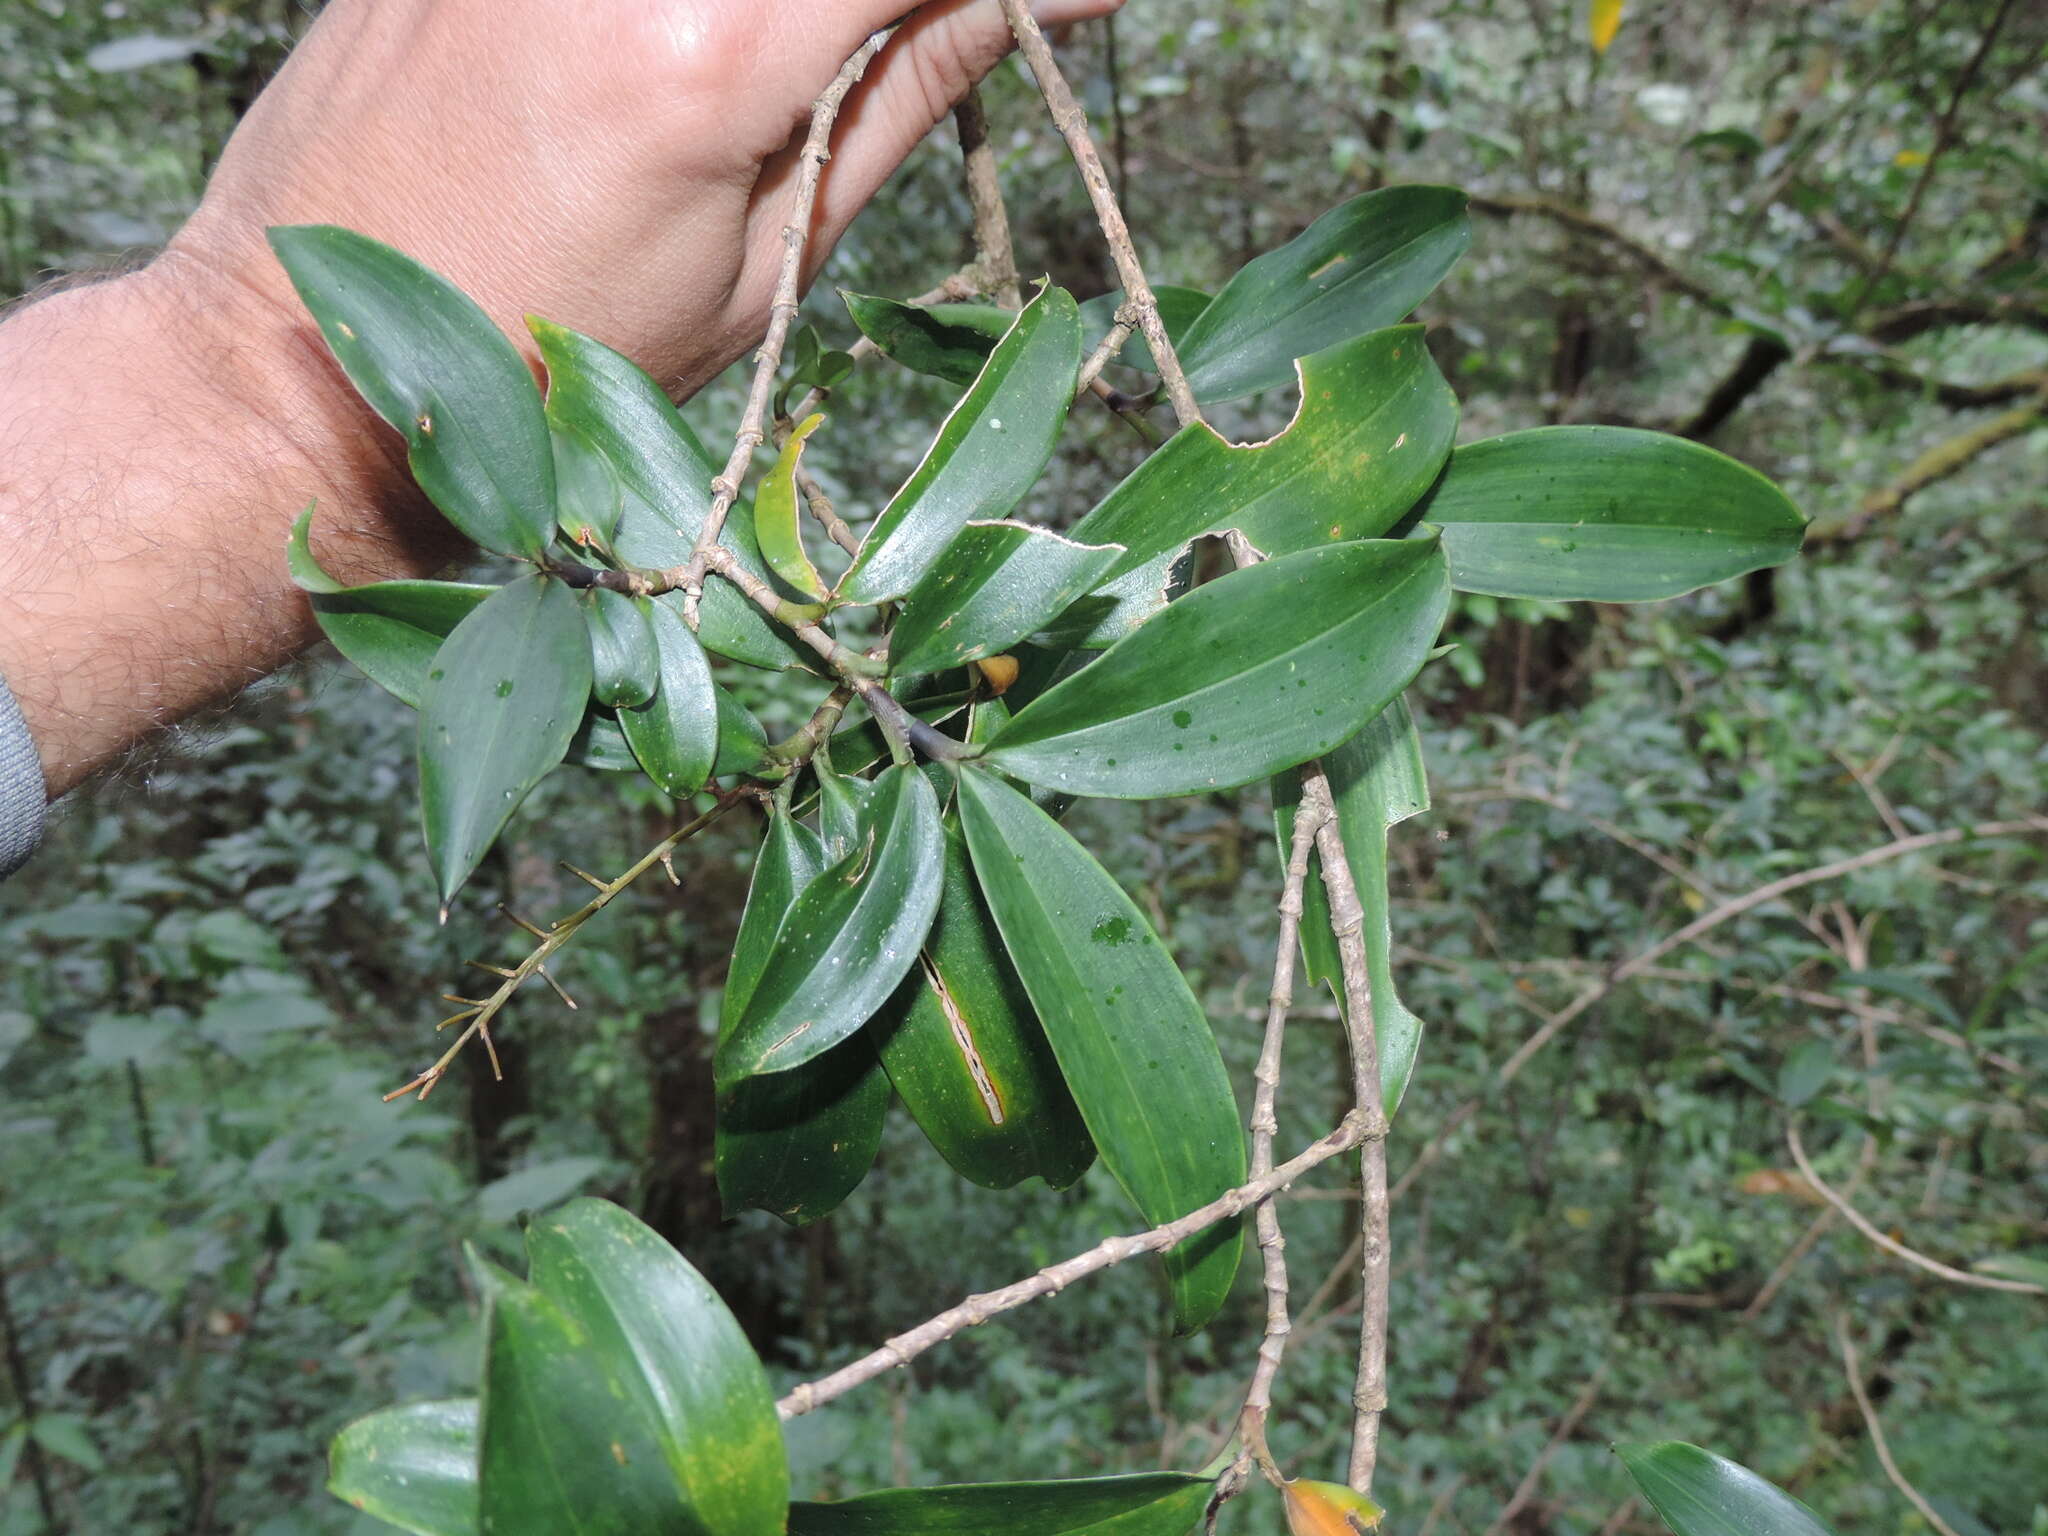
827, 517
1054, 1278
995, 258
1347, 922
1853, 1369
1891, 1245
1949, 457
1072, 123
782, 312
1258, 1401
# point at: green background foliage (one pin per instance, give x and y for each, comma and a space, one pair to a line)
219, 1246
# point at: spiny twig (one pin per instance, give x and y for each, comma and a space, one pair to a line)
478, 1013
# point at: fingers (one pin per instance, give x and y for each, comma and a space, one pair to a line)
934, 58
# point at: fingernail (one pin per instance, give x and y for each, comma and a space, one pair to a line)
1059, 13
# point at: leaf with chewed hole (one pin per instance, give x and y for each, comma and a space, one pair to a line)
1374, 426
987, 455
996, 584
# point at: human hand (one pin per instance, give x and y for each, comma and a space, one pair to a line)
627, 172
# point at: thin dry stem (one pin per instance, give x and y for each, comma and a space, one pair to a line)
995, 263
1054, 1278
1347, 922
1106, 351
782, 312
1258, 1401
1072, 123
1853, 1369
1891, 1245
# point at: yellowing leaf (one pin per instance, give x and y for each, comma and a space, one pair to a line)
776, 517
1603, 20
1328, 1509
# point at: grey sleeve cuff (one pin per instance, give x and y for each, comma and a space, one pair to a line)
22, 795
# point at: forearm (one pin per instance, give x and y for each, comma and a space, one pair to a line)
158, 434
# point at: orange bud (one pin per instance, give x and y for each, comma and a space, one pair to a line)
1328, 1509
1000, 672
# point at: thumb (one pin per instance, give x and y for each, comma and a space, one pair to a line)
935, 57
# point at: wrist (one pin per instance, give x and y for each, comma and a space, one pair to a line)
244, 346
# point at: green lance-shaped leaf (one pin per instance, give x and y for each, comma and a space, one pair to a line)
413, 1467
1147, 1504
1374, 426
1364, 264
742, 739
625, 665
996, 584
565, 1443
849, 939
742, 742
588, 496
1257, 671
842, 800
1697, 1493
675, 734
1130, 1038
1606, 514
777, 514
683, 1366
391, 630
615, 412
946, 341
502, 702
436, 367
1179, 308
968, 1056
797, 1142
1377, 778
988, 453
